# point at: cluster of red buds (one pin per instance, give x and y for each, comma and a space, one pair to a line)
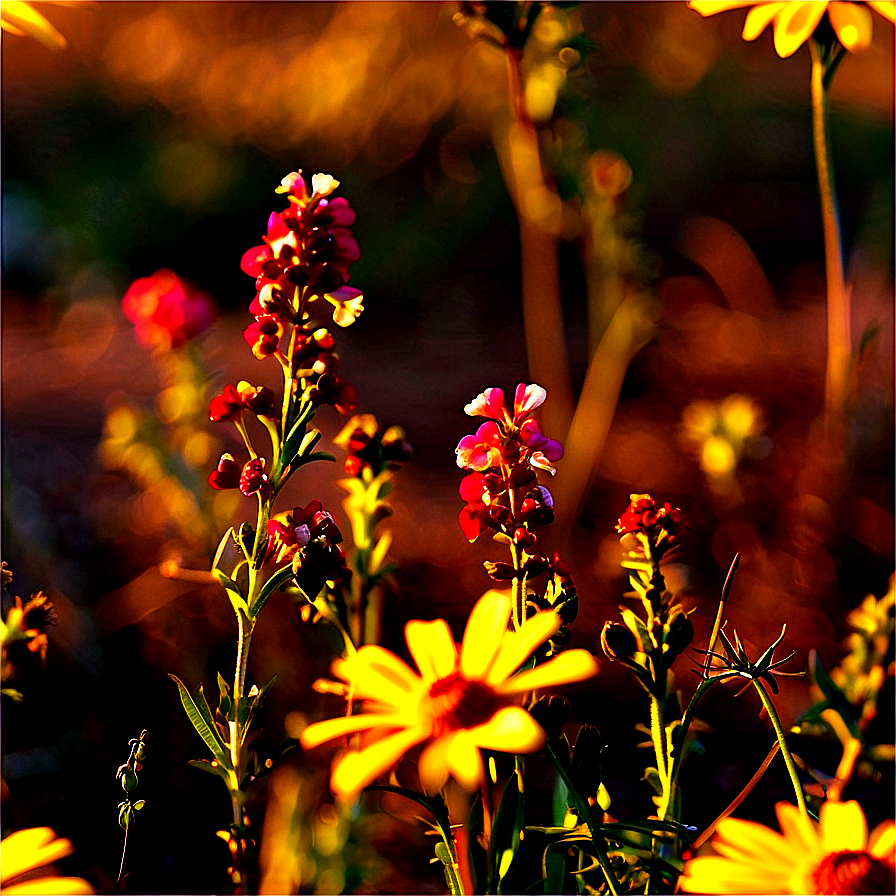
309, 539
369, 449
502, 491
251, 478
167, 311
655, 527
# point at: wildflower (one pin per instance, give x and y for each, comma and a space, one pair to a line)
233, 400
507, 439
227, 474
166, 311
21, 635
642, 516
309, 539
29, 850
306, 254
369, 449
459, 702
334, 390
263, 336
794, 22
253, 478
735, 662
834, 856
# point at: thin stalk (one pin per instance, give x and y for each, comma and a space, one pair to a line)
785, 750
717, 625
124, 849
739, 798
539, 247
839, 346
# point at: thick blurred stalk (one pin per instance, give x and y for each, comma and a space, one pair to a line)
539, 210
839, 341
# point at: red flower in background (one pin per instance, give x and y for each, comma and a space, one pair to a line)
166, 311
643, 515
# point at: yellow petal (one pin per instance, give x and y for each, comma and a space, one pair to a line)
486, 628
711, 874
750, 841
518, 646
50, 886
711, 7
851, 24
432, 767
379, 674
25, 850
759, 17
511, 730
843, 826
355, 770
319, 733
882, 842
794, 25
432, 646
568, 667
24, 18
797, 828
887, 8
465, 761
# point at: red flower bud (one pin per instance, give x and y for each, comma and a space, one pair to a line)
227, 475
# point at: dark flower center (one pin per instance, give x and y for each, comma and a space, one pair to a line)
853, 873
458, 703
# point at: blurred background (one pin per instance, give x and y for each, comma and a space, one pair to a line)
155, 139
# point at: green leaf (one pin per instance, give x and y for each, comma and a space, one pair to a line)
201, 719
212, 768
836, 699
125, 816
139, 804
553, 867
238, 602
505, 837
222, 544
252, 705
652, 777
274, 583
225, 703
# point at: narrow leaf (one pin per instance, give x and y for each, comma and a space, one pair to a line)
205, 730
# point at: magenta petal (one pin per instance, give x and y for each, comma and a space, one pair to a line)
472, 487
527, 399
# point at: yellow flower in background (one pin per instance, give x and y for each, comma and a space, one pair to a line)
24, 852
834, 856
462, 702
794, 21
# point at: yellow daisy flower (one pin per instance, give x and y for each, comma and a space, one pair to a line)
834, 856
794, 21
462, 702
25, 851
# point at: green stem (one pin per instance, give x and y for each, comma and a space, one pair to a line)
675, 761
658, 734
517, 589
785, 750
838, 306
585, 813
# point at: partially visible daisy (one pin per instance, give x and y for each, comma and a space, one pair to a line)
461, 702
795, 21
31, 849
835, 856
